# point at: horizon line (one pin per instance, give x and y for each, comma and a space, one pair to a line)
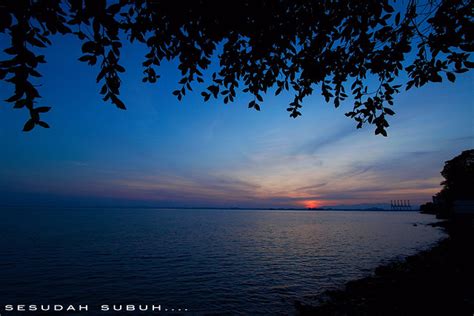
323, 208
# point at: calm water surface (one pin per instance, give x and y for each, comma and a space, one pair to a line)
208, 261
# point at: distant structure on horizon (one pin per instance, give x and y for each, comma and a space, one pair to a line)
400, 205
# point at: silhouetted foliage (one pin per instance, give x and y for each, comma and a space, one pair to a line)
428, 208
459, 177
334, 46
458, 185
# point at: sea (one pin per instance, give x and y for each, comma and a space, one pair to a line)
194, 261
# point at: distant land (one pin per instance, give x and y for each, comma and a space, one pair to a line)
49, 199
328, 208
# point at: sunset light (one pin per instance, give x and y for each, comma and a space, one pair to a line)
312, 204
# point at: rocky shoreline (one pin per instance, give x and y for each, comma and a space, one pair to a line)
438, 281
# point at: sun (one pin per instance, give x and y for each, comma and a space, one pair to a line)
311, 204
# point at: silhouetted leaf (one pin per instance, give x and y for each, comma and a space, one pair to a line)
20, 103
13, 98
29, 125
35, 42
118, 102
43, 124
85, 58
451, 76
119, 68
43, 109
388, 111
88, 47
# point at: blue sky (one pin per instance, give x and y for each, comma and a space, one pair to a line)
162, 152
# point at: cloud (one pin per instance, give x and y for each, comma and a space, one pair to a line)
313, 186
322, 141
204, 188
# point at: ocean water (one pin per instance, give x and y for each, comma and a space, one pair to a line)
246, 262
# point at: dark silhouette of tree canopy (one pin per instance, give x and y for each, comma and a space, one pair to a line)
459, 177
458, 185
297, 45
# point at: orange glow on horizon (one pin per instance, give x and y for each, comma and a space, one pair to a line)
311, 204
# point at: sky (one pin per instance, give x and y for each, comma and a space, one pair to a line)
164, 153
